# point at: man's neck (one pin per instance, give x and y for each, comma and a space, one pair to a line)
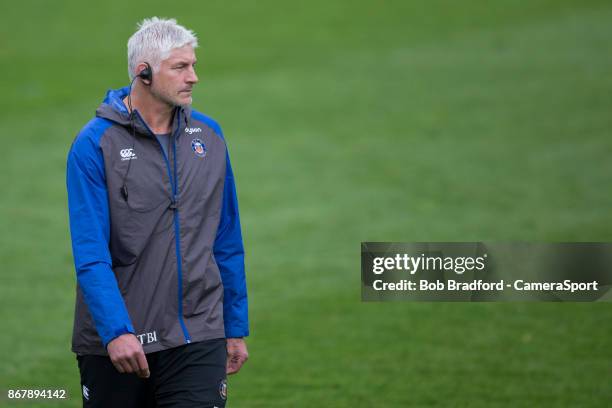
157, 114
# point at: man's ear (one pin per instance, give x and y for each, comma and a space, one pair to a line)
145, 72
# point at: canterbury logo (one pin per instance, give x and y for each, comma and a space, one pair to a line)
127, 154
192, 130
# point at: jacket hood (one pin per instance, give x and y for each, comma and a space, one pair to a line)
113, 109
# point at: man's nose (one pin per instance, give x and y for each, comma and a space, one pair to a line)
192, 78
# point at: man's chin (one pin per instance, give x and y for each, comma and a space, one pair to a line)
174, 102
185, 101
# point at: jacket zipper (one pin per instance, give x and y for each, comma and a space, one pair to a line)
174, 206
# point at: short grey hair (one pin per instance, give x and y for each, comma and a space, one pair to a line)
155, 39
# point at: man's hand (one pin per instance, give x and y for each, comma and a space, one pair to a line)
237, 354
127, 355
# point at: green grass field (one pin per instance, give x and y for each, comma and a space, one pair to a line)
347, 121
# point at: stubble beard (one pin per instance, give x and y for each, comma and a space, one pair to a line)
168, 100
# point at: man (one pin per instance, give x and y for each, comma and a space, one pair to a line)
161, 308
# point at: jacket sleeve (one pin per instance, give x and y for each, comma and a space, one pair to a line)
90, 232
229, 255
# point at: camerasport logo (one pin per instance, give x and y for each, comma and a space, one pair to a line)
198, 147
127, 154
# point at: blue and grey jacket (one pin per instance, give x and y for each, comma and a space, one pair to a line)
164, 261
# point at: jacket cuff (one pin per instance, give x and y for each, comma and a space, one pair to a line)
122, 330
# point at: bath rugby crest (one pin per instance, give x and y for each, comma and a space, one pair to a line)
198, 147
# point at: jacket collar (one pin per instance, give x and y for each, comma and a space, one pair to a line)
113, 108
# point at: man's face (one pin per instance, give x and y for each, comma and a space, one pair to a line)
173, 82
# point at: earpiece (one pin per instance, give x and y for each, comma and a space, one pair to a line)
146, 74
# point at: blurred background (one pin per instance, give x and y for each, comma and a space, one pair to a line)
347, 121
